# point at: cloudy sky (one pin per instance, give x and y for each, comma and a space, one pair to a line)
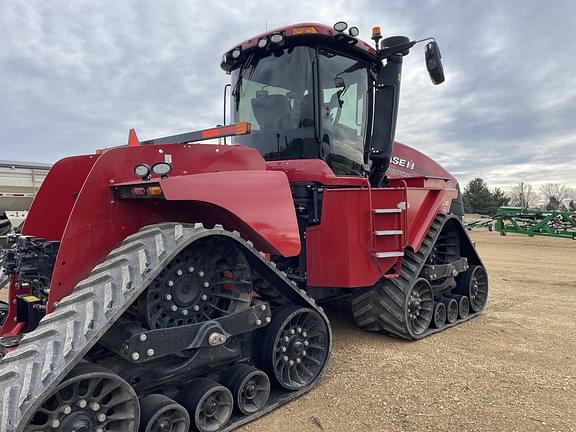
76, 75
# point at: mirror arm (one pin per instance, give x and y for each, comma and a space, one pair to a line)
403, 48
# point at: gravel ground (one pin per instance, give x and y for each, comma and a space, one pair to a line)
511, 369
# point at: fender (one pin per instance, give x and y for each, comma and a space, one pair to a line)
98, 221
258, 204
54, 201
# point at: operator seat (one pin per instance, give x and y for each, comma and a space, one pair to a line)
270, 111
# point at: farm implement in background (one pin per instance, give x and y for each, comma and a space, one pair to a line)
485, 222
536, 222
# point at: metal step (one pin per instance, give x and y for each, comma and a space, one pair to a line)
388, 232
387, 210
393, 254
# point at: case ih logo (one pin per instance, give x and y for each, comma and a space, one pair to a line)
403, 162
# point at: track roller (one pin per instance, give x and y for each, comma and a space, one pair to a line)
162, 414
463, 305
295, 347
439, 319
474, 284
90, 398
451, 309
210, 405
249, 386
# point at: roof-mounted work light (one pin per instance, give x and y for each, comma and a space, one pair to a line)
340, 26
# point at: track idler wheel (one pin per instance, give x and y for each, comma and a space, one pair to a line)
451, 309
295, 347
463, 305
209, 404
89, 399
249, 386
420, 307
439, 319
162, 414
474, 284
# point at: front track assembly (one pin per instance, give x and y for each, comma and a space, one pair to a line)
440, 286
57, 379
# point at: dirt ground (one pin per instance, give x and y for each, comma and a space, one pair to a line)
511, 369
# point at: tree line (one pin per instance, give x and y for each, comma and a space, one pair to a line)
478, 197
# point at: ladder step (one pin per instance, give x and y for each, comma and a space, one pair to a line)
388, 254
387, 232
387, 210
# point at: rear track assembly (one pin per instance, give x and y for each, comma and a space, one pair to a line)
31, 373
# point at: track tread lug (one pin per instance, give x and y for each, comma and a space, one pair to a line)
383, 305
66, 334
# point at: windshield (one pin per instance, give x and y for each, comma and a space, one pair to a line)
276, 94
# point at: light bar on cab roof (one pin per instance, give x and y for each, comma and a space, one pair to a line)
241, 128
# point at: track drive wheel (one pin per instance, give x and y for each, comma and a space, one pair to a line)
208, 280
439, 319
474, 284
210, 405
90, 398
295, 347
162, 414
451, 309
420, 307
250, 388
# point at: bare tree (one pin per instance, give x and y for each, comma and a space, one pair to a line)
523, 195
556, 195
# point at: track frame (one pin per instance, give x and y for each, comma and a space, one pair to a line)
47, 354
382, 306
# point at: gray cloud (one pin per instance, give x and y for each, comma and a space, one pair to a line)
75, 76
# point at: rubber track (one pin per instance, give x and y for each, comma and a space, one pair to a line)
382, 307
47, 354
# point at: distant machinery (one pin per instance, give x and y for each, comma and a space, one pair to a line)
536, 222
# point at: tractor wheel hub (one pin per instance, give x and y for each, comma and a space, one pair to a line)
187, 290
79, 421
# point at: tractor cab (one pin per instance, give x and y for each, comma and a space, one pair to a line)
314, 92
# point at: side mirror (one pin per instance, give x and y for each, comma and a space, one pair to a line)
434, 63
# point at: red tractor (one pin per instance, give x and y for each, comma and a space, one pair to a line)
172, 286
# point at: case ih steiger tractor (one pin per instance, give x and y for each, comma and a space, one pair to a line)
172, 286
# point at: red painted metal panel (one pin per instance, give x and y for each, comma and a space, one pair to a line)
340, 251
409, 162
261, 199
54, 201
406, 163
49, 214
314, 170
99, 222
